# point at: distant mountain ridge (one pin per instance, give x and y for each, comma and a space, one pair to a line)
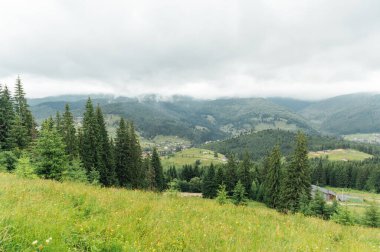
205, 120
197, 120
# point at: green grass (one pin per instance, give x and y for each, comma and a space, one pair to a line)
341, 155
360, 200
190, 156
373, 138
84, 218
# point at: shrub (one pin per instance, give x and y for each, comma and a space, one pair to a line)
24, 168
343, 216
221, 197
8, 161
372, 216
239, 195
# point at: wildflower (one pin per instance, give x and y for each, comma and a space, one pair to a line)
48, 240
35, 242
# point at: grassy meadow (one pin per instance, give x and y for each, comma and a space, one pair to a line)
341, 155
51, 216
190, 156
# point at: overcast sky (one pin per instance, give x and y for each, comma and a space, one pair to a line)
307, 49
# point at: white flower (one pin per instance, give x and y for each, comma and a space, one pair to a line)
35, 242
48, 240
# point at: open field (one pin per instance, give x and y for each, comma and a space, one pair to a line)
360, 199
190, 156
373, 138
341, 155
85, 218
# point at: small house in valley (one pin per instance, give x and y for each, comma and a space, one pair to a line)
326, 193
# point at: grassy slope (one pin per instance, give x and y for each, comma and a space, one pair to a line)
189, 156
341, 154
80, 217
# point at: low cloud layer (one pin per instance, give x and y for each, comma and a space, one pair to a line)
203, 48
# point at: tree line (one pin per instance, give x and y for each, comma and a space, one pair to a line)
60, 149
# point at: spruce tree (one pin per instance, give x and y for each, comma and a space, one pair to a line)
7, 117
231, 174
239, 196
210, 186
69, 133
24, 115
219, 176
273, 179
137, 176
158, 171
122, 154
245, 175
104, 165
89, 141
297, 178
51, 160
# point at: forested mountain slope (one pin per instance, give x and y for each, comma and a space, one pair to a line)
197, 120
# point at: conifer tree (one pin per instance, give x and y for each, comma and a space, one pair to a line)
297, 177
69, 133
245, 173
239, 196
219, 176
24, 115
158, 171
122, 154
210, 186
104, 165
231, 174
136, 171
89, 141
273, 179
221, 196
51, 159
6, 119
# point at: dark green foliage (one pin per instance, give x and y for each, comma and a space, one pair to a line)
210, 186
159, 183
230, 175
24, 118
258, 144
361, 175
51, 160
7, 117
219, 176
245, 175
105, 164
122, 153
69, 133
297, 177
89, 142
75, 172
8, 160
273, 179
137, 175
239, 196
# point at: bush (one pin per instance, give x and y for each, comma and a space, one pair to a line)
372, 216
343, 216
75, 172
221, 197
24, 168
195, 185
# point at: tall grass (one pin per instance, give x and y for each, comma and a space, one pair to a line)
85, 218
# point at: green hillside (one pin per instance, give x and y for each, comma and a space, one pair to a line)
340, 155
260, 143
44, 215
190, 156
347, 114
196, 120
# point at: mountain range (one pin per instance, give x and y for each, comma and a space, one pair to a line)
207, 120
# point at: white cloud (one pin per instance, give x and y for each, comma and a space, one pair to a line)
299, 48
